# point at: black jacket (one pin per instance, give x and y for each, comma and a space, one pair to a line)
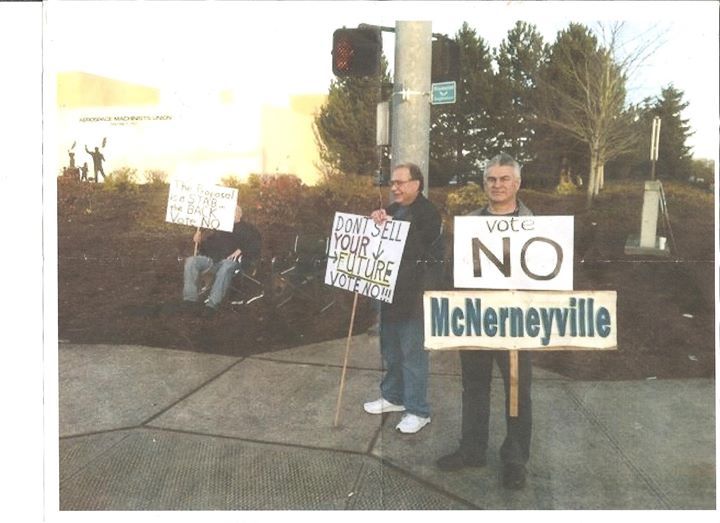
423, 237
220, 244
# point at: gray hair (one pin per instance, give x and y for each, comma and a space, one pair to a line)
501, 160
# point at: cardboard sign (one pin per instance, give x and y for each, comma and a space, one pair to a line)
364, 257
518, 320
514, 252
206, 206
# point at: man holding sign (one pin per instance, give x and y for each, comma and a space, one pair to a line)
501, 183
221, 253
404, 386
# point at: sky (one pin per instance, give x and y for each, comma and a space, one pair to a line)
265, 51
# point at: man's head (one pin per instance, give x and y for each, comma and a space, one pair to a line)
502, 181
406, 183
238, 213
96, 149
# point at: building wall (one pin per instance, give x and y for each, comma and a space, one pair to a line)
213, 135
82, 90
288, 140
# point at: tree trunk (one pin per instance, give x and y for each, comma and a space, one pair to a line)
592, 178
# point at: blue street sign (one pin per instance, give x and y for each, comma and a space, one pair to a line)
443, 93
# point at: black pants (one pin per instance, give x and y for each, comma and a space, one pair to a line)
477, 368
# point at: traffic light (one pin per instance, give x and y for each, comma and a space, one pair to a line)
356, 52
445, 60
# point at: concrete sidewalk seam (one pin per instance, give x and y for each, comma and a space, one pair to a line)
350, 501
310, 363
381, 460
190, 393
425, 483
97, 432
644, 476
102, 454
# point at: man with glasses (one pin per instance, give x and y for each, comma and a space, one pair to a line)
402, 340
501, 182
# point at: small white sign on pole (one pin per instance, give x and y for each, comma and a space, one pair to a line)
198, 205
364, 257
513, 252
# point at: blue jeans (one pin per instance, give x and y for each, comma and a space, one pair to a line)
402, 345
196, 265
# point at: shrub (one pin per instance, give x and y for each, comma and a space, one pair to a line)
156, 177
231, 181
337, 193
564, 188
269, 199
123, 179
465, 199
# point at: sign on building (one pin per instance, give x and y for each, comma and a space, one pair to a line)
205, 206
364, 257
513, 252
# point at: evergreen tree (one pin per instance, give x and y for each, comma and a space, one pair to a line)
462, 134
345, 125
674, 156
519, 59
555, 147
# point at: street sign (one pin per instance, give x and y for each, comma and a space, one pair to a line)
444, 93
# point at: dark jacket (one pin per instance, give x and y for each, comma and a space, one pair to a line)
522, 210
423, 236
220, 244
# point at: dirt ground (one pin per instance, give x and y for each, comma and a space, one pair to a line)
120, 275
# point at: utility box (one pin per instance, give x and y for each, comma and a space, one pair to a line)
649, 243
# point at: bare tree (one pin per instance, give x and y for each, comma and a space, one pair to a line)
583, 94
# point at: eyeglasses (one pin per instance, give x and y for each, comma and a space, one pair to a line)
400, 183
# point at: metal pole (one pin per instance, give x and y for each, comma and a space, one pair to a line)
411, 95
654, 144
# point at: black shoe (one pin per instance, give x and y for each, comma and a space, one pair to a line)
208, 312
513, 476
458, 460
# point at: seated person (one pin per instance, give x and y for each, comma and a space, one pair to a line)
221, 253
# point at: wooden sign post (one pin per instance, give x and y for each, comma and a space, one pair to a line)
513, 371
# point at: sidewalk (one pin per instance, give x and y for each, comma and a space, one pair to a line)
158, 429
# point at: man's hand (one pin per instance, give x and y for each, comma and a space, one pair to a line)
235, 256
379, 216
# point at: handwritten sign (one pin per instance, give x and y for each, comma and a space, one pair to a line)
514, 252
364, 257
521, 320
206, 206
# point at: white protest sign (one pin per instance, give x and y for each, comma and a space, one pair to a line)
206, 206
364, 257
521, 320
514, 252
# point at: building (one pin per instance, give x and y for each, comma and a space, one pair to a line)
210, 135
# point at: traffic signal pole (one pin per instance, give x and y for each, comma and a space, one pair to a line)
411, 96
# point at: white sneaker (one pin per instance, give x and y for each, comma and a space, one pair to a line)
410, 423
382, 405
